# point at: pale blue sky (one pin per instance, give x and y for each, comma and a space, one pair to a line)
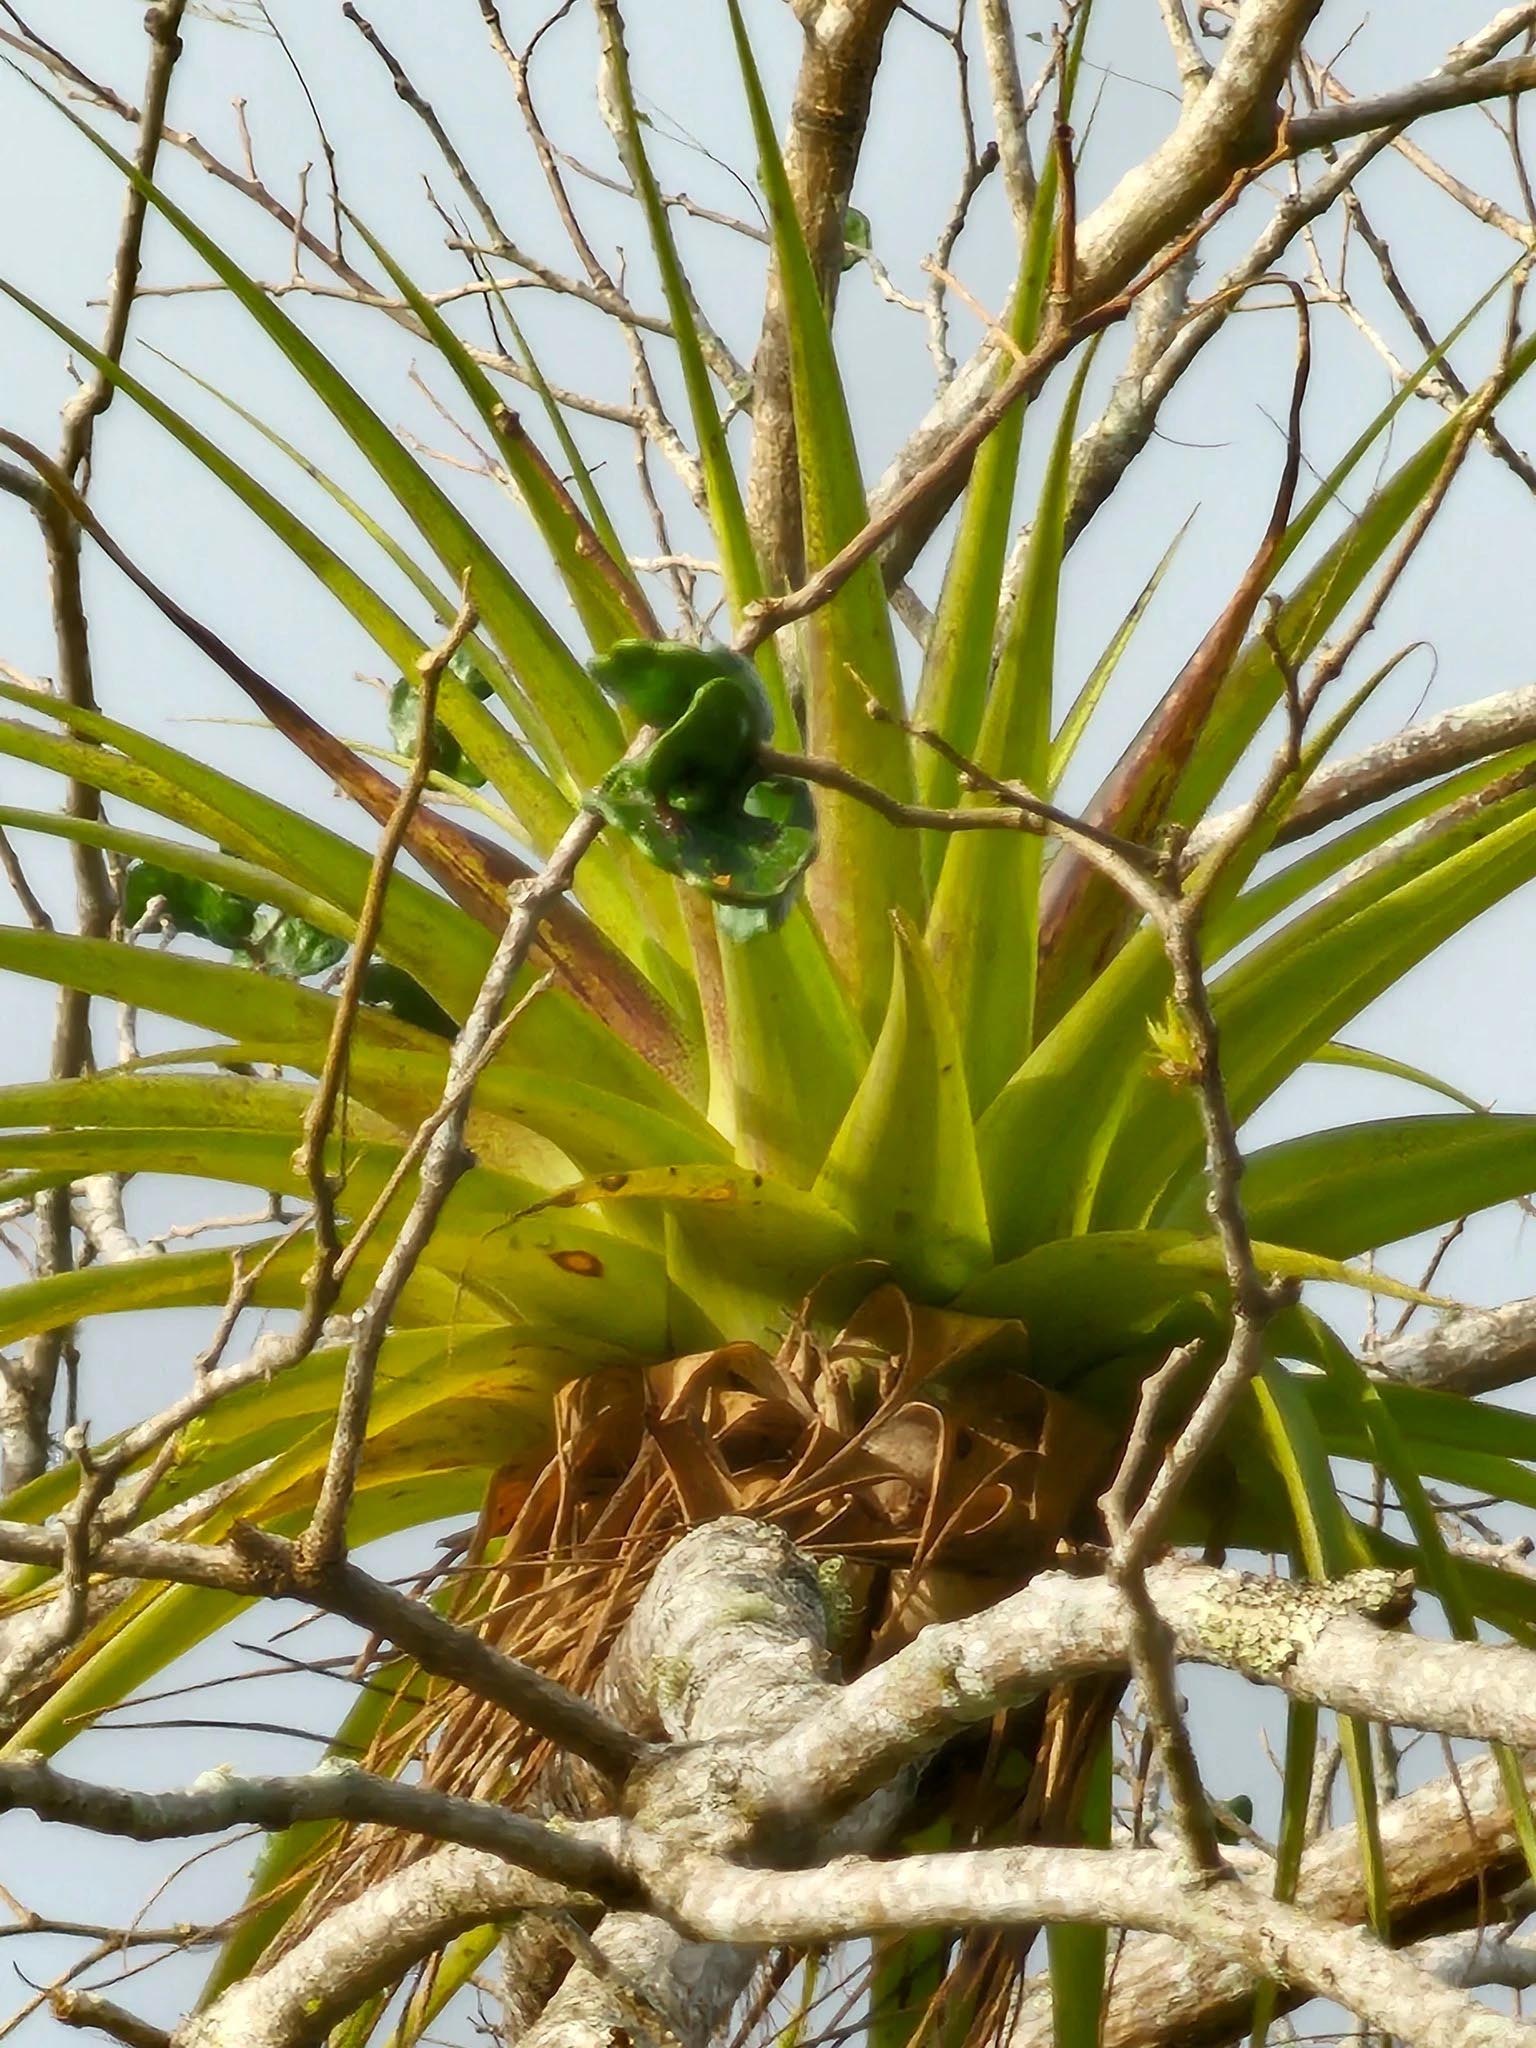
1468, 1016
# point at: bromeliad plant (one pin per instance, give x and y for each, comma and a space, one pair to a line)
859, 1131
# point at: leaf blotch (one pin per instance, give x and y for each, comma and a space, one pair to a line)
585, 1265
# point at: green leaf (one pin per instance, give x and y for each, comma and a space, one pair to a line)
1078, 1955
903, 1167
256, 1158
602, 587
1057, 1111
433, 941
581, 725
786, 1010
211, 895
1297, 990
207, 993
1255, 684
1177, 764
1346, 851
155, 1627
1361, 1186
448, 757
179, 1280
1442, 1568
1364, 1061
624, 904
1065, 740
1301, 1726
797, 1049
609, 1119
750, 854
534, 799
597, 511
857, 237
134, 1098
693, 799
957, 663
727, 515
657, 680
201, 908
1463, 1442
1085, 1299
453, 1967
987, 904
742, 1246
1506, 1599
908, 1971
423, 1375
387, 987
480, 1267
867, 867
1329, 1549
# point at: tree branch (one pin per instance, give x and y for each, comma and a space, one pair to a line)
27, 1384
580, 1860
1476, 1352
858, 1898
1434, 95
256, 1563
1453, 739
1447, 1849
827, 123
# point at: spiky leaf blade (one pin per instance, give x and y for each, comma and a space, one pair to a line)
903, 1167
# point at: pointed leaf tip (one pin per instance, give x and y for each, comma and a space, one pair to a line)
903, 1167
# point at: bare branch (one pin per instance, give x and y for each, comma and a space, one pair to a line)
1453, 739
443, 1162
566, 1856
855, 1897
1433, 95
255, 1562
1475, 1352
1448, 1849
1317, 1642
1008, 110
1193, 69
320, 1111
29, 1382
364, 1946
100, 2015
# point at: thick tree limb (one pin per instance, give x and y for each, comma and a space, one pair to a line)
858, 1897
1108, 447
728, 1642
1314, 1641
365, 1946
733, 1620
1473, 1353
1447, 1849
1228, 1933
1231, 124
